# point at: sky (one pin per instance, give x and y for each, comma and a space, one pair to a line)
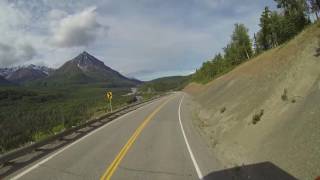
144, 39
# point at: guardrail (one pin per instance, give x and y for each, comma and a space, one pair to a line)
14, 154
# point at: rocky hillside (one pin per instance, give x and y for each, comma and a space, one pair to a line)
85, 69
267, 109
3, 81
23, 74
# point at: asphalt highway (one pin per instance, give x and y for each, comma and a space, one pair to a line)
156, 141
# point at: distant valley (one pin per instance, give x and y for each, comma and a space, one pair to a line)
43, 101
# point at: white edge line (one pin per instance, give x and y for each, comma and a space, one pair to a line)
194, 161
18, 176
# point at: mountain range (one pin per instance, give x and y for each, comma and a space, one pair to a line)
22, 74
3, 81
83, 69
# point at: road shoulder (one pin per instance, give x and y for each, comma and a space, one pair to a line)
202, 152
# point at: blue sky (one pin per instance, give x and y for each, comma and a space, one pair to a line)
140, 38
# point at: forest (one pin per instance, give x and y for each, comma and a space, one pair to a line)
30, 114
276, 28
164, 84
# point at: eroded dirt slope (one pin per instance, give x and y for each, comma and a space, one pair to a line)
283, 87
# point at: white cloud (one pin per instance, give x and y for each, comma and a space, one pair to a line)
14, 49
148, 45
79, 29
11, 17
56, 14
146, 37
12, 55
213, 3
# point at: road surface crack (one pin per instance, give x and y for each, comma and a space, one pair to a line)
153, 171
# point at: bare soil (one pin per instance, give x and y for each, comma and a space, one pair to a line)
287, 133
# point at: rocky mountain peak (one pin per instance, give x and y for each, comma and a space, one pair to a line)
86, 61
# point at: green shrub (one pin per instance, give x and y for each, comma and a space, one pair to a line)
223, 109
284, 95
257, 117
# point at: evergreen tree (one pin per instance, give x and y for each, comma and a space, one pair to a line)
231, 54
256, 45
241, 39
276, 28
265, 34
296, 11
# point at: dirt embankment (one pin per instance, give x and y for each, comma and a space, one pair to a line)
267, 109
194, 88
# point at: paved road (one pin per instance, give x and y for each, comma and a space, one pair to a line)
147, 143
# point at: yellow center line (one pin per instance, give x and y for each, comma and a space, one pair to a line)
115, 163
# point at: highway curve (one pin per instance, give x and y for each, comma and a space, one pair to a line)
148, 143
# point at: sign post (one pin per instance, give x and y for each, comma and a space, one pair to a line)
109, 97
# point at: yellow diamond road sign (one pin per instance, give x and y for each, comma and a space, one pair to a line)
109, 95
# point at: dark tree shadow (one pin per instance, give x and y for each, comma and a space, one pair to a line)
317, 52
260, 171
318, 49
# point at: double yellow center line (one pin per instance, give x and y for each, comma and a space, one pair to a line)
115, 163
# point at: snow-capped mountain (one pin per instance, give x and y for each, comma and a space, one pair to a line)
4, 72
21, 74
43, 69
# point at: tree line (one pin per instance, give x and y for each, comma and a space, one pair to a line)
28, 116
276, 27
32, 114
